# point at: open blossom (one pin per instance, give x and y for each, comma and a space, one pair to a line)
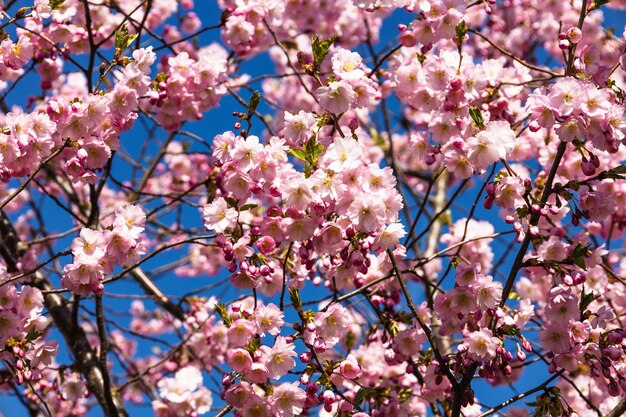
288, 400
347, 64
73, 388
176, 389
239, 360
89, 243
555, 339
481, 344
488, 292
350, 368
367, 212
332, 322
219, 216
389, 237
185, 391
240, 332
337, 97
131, 218
17, 54
490, 145
279, 359
298, 126
342, 154
269, 319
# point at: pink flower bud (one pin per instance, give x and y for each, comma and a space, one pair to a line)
328, 397
574, 35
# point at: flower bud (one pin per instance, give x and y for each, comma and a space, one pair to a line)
574, 35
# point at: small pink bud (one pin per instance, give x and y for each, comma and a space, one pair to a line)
328, 397
574, 35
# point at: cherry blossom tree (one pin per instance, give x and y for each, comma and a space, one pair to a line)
352, 208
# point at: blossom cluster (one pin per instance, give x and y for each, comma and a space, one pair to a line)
353, 271
21, 326
96, 252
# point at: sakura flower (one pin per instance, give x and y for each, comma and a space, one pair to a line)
331, 323
255, 407
342, 154
337, 97
481, 344
553, 249
490, 145
347, 64
239, 360
240, 332
297, 192
298, 126
350, 368
73, 389
89, 243
555, 339
367, 212
219, 216
488, 292
279, 360
246, 151
389, 237
132, 218
510, 192
269, 319
17, 54
258, 373
42, 353
179, 389
288, 400
30, 301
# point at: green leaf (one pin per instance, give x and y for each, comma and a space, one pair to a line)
253, 345
361, 395
600, 3
221, 311
253, 104
248, 207
586, 300
477, 117
579, 254
619, 170
54, 4
313, 149
33, 334
231, 202
298, 153
320, 49
294, 296
123, 39
461, 30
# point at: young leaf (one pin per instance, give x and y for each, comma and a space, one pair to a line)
586, 299
221, 311
320, 49
461, 30
477, 117
54, 4
247, 207
231, 202
294, 296
123, 39
298, 153
253, 104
